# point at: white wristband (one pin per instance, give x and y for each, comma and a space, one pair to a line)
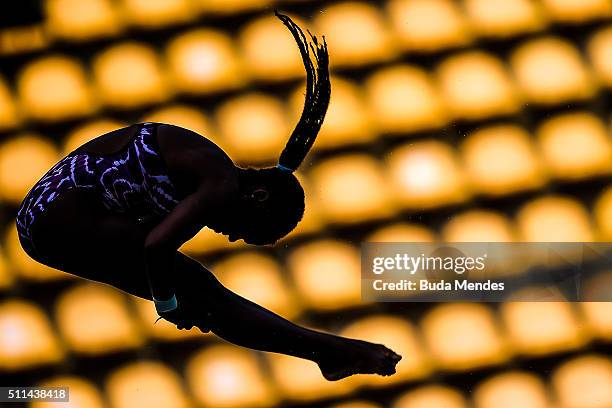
165, 305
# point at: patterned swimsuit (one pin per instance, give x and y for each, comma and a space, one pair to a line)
132, 180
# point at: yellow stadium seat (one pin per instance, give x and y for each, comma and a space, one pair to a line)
253, 128
549, 71
312, 221
578, 11
161, 330
347, 121
269, 50
576, 146
157, 13
26, 338
24, 266
599, 49
512, 389
428, 25
478, 226
7, 277
356, 34
501, 160
203, 61
301, 380
431, 396
400, 336
80, 20
504, 18
188, 117
598, 318
426, 175
475, 85
403, 99
554, 219
207, 241
602, 213
463, 336
356, 404
24, 159
258, 278
55, 88
82, 393
402, 232
540, 328
88, 131
335, 264
584, 382
351, 188
9, 116
231, 6
146, 384
93, 319
130, 75
227, 376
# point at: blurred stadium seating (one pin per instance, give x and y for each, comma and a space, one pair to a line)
460, 120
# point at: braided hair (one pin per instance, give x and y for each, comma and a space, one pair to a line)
318, 91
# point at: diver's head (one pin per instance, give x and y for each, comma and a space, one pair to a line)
271, 200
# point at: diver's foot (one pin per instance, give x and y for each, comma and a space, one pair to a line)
358, 357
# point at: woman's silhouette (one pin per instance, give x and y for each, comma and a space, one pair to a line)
117, 209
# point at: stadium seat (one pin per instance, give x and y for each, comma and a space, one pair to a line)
425, 174
26, 337
326, 274
93, 319
161, 330
540, 328
203, 61
576, 146
24, 159
208, 241
512, 389
584, 382
356, 34
400, 336
54, 88
598, 318
401, 232
428, 25
227, 376
157, 13
82, 393
403, 100
577, 11
351, 189
599, 49
188, 117
347, 121
478, 226
223, 7
24, 266
269, 51
550, 71
88, 131
129, 75
431, 396
145, 383
602, 212
501, 160
463, 337
9, 116
7, 277
475, 85
253, 128
301, 380
258, 278
504, 18
554, 219
356, 404
82, 20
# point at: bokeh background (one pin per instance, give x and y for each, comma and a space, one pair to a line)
472, 120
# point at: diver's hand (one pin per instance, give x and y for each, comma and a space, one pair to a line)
186, 316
